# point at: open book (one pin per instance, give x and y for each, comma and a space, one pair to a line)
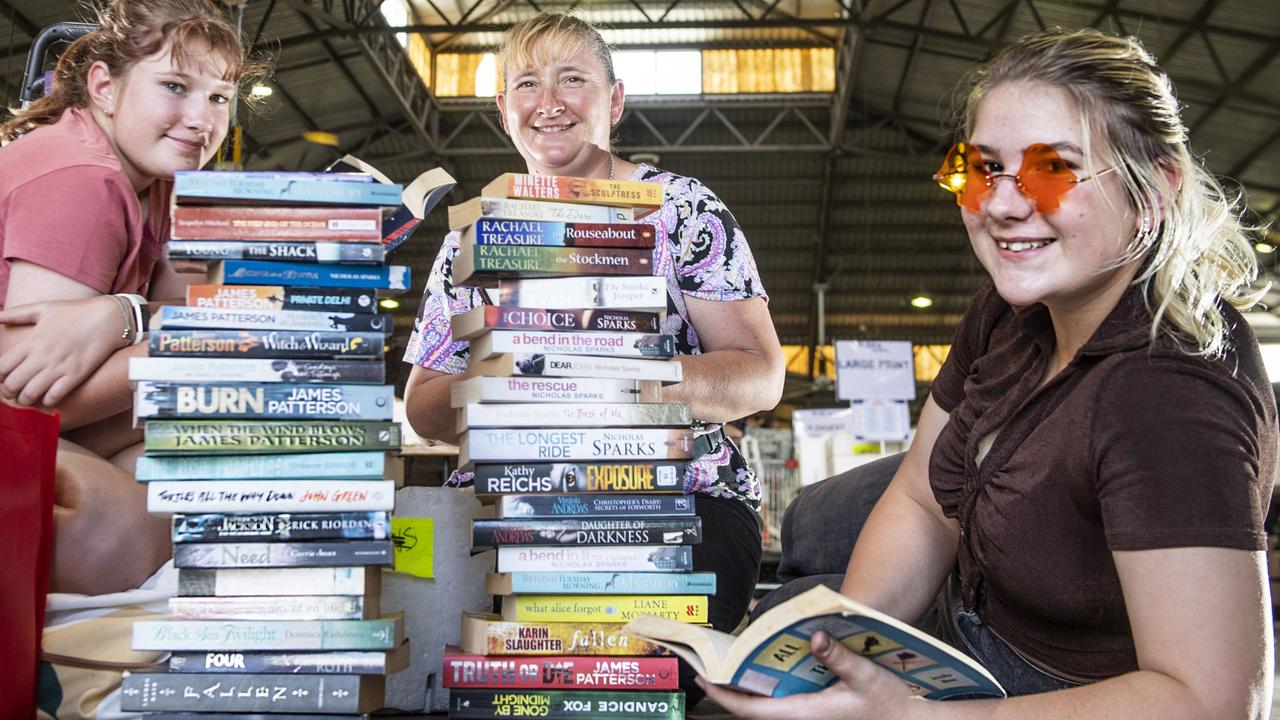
417, 199
771, 657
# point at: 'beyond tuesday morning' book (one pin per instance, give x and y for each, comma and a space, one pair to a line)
501, 317
499, 231
214, 437
463, 215
491, 635
233, 370
279, 297
772, 656
656, 476
588, 191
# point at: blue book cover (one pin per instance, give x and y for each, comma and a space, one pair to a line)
281, 527
368, 465
283, 188
588, 505
264, 272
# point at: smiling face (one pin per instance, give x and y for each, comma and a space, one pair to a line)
559, 114
1065, 258
161, 116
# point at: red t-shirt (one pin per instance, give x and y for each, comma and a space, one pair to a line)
66, 205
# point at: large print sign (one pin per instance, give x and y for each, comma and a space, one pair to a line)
875, 370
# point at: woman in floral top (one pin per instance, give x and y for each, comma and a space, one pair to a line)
560, 102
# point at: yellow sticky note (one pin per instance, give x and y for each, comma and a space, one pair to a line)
415, 542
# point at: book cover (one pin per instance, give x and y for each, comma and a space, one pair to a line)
269, 496
266, 401
230, 582
253, 188
485, 265
621, 292
589, 531
178, 317
233, 370
417, 200
579, 366
594, 505
141, 692
625, 558
610, 344
469, 324
587, 583
603, 608
278, 297
267, 344
553, 390
462, 670
303, 251
279, 607
281, 527
382, 634
534, 444
352, 662
282, 555
483, 704
587, 191
565, 415
292, 274
659, 476
361, 465
181, 437
461, 216
491, 635
234, 222
502, 231
772, 656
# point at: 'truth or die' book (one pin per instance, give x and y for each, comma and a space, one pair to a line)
570, 672
772, 656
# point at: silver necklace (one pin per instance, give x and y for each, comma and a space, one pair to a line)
612, 165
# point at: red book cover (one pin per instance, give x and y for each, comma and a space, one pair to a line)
564, 672
29, 439
231, 222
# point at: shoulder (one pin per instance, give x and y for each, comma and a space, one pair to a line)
75, 141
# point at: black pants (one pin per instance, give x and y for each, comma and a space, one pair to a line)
730, 548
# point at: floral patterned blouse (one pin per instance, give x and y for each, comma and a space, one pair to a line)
700, 250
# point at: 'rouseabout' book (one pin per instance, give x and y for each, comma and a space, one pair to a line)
772, 656
588, 191
500, 231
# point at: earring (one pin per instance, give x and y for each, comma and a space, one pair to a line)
1146, 233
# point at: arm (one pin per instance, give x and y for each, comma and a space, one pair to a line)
741, 368
426, 404
167, 286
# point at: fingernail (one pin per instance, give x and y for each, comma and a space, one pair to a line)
820, 643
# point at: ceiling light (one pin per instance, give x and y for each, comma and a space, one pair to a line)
261, 91
921, 301
1264, 247
320, 137
389, 303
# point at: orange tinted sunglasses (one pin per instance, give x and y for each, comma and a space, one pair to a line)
1043, 177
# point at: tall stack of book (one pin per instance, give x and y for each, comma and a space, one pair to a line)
562, 423
268, 436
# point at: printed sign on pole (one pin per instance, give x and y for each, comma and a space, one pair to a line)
881, 420
875, 370
820, 422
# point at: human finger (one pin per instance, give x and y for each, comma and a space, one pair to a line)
59, 390
17, 379
21, 315
37, 386
739, 704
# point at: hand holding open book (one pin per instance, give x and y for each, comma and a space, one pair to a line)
773, 658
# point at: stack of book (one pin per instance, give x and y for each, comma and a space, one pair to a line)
562, 424
268, 436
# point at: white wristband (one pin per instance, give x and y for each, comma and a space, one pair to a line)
140, 316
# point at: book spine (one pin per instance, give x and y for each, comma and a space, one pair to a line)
337, 663
519, 318
259, 272
555, 478
282, 555
580, 366
697, 583
177, 317
492, 262
284, 607
223, 222
202, 187
318, 251
460, 216
638, 531
590, 505
265, 634
647, 292
565, 704
180, 437
277, 297
230, 582
567, 415
521, 444
495, 231
287, 527
311, 401
608, 344
369, 465
266, 496
589, 191
245, 693
574, 672
491, 636
273, 344
607, 608
553, 390
211, 370
627, 558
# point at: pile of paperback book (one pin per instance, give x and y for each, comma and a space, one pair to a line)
268, 437
563, 426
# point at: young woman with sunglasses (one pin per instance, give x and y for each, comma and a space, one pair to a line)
1090, 473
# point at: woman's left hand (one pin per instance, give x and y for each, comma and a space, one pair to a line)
862, 690
67, 342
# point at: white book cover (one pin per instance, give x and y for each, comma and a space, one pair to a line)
582, 366
182, 317
246, 496
621, 292
460, 216
225, 582
553, 390
569, 415
609, 344
555, 445
209, 370
620, 558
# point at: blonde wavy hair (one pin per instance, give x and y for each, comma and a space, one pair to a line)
550, 37
1194, 249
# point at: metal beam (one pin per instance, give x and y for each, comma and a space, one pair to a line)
334, 58
24, 24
